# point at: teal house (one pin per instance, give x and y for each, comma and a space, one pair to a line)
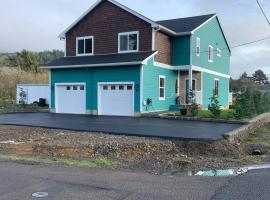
118, 62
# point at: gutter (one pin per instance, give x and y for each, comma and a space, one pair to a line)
93, 65
143, 62
173, 33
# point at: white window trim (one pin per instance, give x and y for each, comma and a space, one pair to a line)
83, 38
129, 33
198, 44
219, 52
212, 53
162, 98
216, 79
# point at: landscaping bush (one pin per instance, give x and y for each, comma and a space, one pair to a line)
251, 102
214, 106
193, 109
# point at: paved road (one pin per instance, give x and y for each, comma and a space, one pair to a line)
255, 185
154, 127
19, 181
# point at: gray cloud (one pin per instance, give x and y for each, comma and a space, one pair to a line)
35, 24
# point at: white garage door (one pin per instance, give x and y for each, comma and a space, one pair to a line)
70, 98
116, 99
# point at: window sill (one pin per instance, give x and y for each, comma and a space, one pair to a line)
162, 99
128, 51
89, 54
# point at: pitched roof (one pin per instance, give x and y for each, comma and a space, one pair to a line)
101, 60
187, 24
172, 27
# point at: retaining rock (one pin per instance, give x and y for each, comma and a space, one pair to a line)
248, 129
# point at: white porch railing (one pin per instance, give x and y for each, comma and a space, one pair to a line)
198, 95
230, 98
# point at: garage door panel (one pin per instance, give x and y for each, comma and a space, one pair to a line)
71, 99
116, 100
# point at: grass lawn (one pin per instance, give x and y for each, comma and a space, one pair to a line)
225, 114
4, 102
261, 138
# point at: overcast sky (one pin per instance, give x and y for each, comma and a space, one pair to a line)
35, 24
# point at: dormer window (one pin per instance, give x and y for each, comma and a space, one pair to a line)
128, 42
84, 46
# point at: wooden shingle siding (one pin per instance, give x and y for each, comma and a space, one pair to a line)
104, 23
163, 44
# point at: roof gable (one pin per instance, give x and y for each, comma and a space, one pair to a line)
153, 24
219, 25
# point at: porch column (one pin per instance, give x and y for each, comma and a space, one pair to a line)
178, 82
190, 77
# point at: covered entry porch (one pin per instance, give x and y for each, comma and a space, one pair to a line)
189, 80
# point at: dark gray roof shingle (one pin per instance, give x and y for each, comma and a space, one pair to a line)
100, 59
185, 24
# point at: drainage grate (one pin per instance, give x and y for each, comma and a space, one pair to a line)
40, 194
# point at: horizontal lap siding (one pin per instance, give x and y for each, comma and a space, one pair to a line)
211, 34
208, 88
91, 76
151, 75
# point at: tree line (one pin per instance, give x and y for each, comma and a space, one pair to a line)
258, 80
251, 94
31, 61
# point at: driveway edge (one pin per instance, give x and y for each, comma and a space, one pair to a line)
248, 129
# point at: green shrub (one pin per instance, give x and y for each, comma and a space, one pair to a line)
214, 106
193, 109
251, 102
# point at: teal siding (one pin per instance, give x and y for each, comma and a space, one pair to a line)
211, 34
208, 87
181, 50
151, 75
91, 76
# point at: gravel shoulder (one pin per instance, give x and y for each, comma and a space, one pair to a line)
152, 155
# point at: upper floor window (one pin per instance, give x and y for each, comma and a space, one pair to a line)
210, 54
198, 46
84, 46
128, 42
218, 52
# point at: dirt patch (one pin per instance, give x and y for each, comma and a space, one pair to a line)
149, 154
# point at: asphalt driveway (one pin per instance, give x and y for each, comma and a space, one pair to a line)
150, 127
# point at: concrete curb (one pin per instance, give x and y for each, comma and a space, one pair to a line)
248, 129
229, 121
